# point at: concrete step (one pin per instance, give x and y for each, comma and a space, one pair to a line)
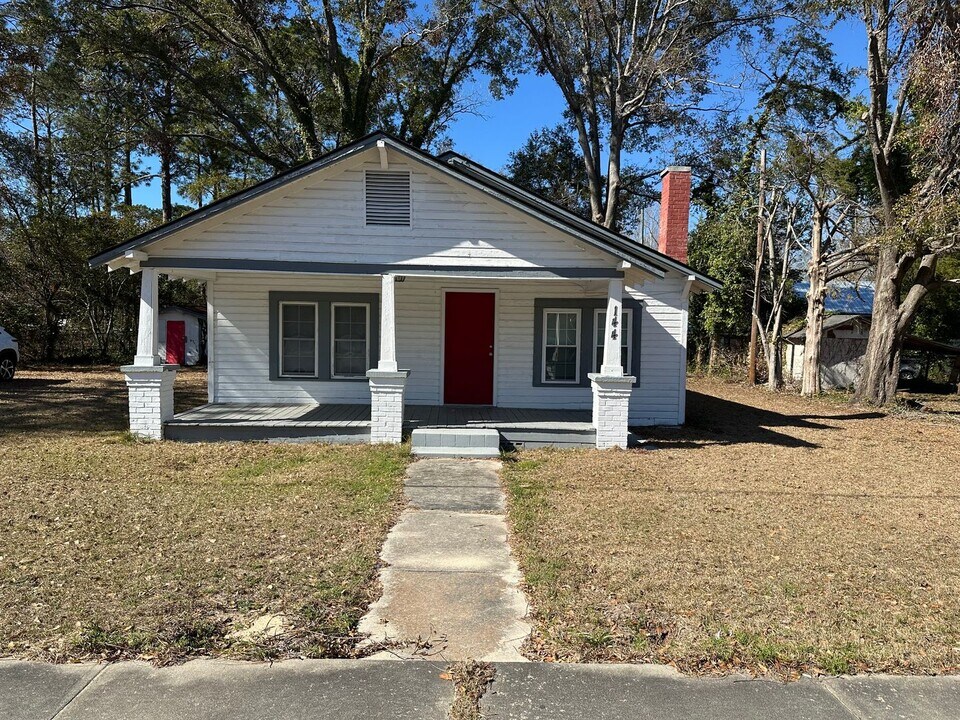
455, 442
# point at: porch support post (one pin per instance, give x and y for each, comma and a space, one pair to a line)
149, 382
149, 319
611, 388
388, 324
612, 363
387, 382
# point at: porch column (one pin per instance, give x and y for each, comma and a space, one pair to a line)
387, 382
388, 324
149, 381
612, 362
611, 388
149, 319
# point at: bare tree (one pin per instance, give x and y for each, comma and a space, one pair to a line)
832, 256
780, 220
821, 176
912, 52
625, 68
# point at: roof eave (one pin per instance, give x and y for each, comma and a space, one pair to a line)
624, 253
265, 186
704, 283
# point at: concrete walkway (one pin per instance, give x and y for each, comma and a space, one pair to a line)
450, 588
386, 690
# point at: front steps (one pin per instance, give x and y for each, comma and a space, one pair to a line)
455, 442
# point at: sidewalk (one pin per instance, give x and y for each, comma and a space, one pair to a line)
401, 690
450, 587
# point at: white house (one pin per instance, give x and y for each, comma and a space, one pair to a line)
380, 287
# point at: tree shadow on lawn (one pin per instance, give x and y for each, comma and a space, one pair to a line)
74, 402
715, 421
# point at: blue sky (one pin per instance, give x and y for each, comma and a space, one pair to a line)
501, 126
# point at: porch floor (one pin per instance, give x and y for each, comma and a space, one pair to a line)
351, 422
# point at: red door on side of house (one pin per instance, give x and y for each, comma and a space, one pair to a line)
176, 342
468, 348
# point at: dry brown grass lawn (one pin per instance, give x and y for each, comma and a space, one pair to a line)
770, 533
115, 548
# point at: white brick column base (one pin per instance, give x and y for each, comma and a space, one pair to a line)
150, 390
611, 407
387, 389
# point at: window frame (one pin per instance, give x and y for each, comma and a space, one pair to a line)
316, 340
324, 335
587, 336
628, 340
543, 349
333, 338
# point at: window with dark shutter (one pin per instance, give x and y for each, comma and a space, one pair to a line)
387, 198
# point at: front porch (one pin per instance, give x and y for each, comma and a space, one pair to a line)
518, 427
275, 374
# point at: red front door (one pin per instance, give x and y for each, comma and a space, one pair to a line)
468, 348
176, 342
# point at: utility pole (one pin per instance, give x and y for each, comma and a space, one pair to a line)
755, 316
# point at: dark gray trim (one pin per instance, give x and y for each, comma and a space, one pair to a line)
587, 308
214, 432
320, 268
323, 300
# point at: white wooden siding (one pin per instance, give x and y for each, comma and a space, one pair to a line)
656, 396
320, 218
242, 367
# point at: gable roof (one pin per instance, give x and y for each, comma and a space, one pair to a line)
199, 314
843, 296
450, 164
830, 322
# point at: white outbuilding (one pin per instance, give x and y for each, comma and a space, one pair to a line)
182, 335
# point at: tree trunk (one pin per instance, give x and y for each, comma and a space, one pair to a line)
772, 348
810, 384
774, 366
166, 180
881, 362
127, 175
51, 330
698, 358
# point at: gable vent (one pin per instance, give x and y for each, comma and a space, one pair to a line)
388, 198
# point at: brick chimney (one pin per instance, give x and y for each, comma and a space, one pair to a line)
675, 212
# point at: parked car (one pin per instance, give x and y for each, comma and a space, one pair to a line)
9, 355
909, 369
